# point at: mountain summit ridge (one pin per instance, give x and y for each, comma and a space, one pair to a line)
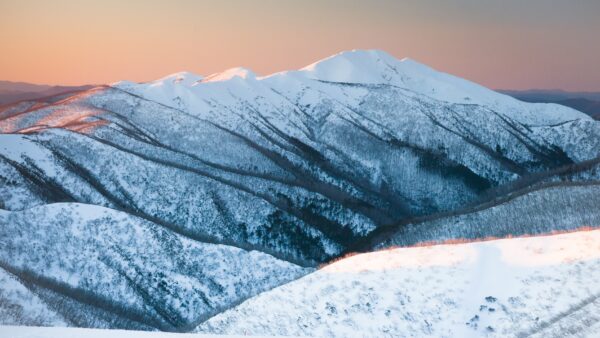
365, 67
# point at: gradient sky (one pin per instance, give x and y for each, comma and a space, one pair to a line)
512, 44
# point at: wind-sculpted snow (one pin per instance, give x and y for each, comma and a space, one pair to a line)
303, 165
512, 287
91, 266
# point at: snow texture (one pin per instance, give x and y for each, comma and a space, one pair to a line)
541, 286
90, 266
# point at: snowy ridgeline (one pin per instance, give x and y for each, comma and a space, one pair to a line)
540, 286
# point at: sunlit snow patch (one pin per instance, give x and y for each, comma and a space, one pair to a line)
520, 286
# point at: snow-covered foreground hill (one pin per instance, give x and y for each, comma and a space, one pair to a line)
542, 286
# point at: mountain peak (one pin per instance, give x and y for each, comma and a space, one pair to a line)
183, 78
355, 66
239, 72
357, 55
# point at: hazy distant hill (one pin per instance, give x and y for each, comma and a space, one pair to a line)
11, 92
587, 102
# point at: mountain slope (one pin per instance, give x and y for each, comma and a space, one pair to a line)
518, 286
327, 161
90, 266
301, 166
560, 207
592, 108
587, 102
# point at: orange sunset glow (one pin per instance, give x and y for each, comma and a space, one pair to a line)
510, 44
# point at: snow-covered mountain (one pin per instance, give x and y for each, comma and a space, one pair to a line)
523, 287
291, 170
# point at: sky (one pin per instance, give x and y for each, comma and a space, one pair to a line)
503, 44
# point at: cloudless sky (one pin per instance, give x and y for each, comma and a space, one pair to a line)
511, 44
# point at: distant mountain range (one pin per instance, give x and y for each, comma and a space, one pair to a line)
11, 92
159, 205
587, 102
